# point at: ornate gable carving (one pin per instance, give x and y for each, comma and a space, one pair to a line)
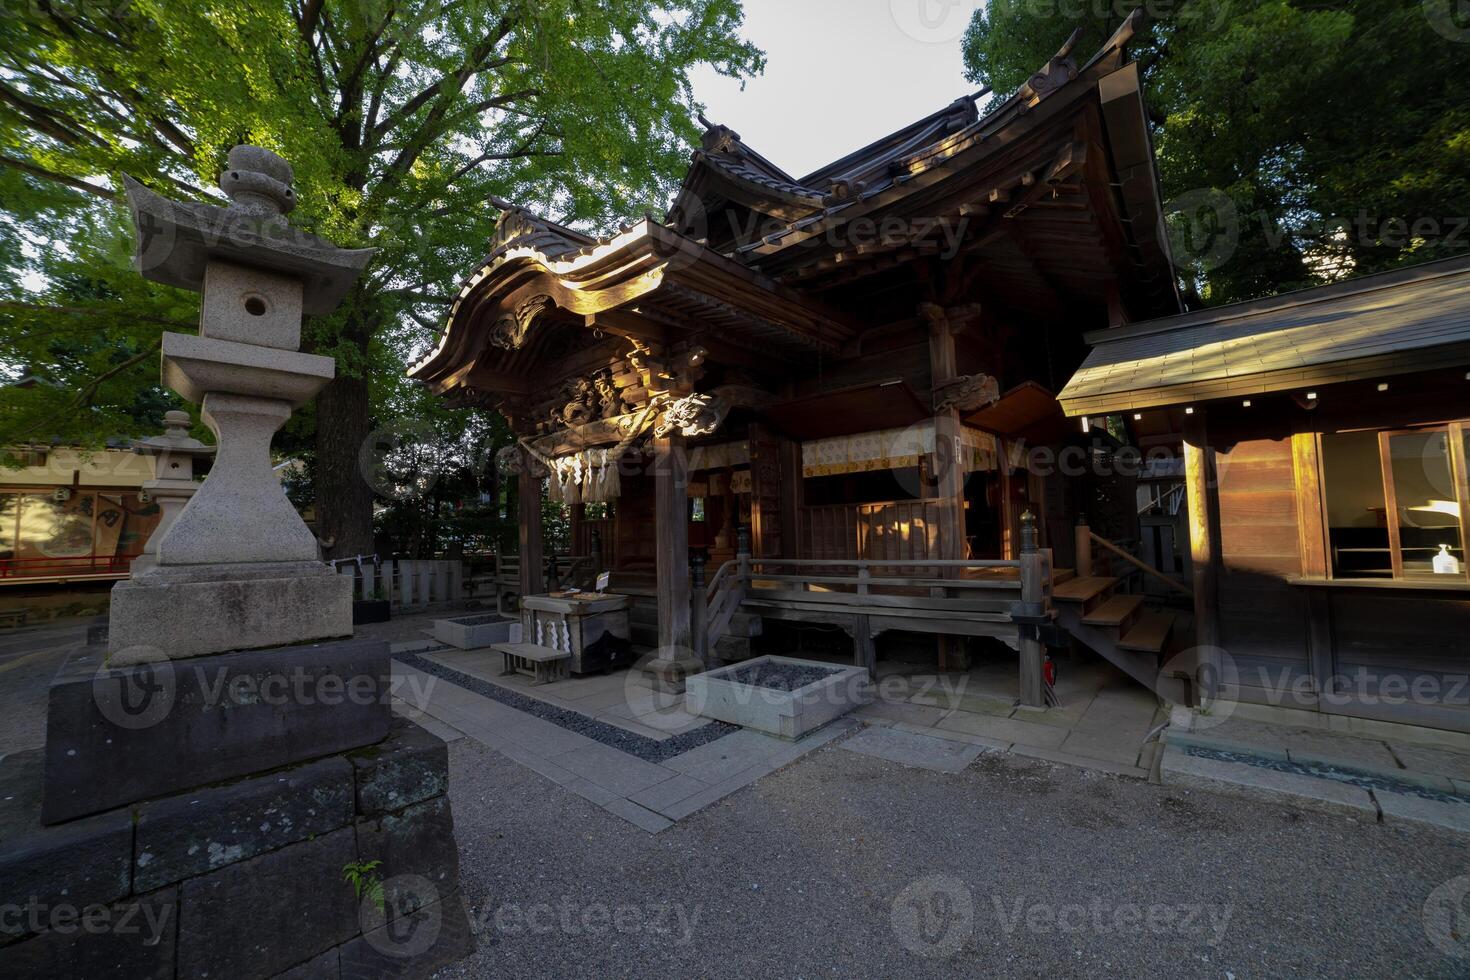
510, 330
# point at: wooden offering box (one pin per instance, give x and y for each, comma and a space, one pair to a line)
591, 626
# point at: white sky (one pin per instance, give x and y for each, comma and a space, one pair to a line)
840, 74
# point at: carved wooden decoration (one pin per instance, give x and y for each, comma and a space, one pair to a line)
510, 331
694, 415
966, 393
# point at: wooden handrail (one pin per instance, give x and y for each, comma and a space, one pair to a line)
887, 562
1141, 565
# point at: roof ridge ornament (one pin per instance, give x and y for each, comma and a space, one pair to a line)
1057, 72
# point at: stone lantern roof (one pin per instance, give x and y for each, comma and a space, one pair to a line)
175, 240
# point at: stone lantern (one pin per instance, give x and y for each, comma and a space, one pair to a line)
237, 556
173, 483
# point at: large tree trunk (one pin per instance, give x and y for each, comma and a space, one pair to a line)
344, 500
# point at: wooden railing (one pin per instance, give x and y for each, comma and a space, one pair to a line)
1086, 565
946, 597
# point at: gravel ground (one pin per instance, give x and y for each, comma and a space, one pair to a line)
778, 676
848, 866
645, 748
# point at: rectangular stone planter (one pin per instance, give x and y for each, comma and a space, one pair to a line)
475, 632
719, 694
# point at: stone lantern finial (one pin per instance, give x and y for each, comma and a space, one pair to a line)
258, 182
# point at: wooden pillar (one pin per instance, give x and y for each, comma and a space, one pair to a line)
528, 492
791, 498
698, 607
1312, 548
577, 519
949, 476
1033, 605
676, 658
1204, 548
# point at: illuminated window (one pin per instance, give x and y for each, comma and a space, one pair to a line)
1396, 501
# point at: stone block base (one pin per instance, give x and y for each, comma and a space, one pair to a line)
669, 675
116, 736
243, 879
180, 611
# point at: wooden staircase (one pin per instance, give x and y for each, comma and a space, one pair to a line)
1120, 628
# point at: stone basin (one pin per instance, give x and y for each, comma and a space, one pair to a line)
825, 692
475, 632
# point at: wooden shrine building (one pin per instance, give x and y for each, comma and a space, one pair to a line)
857, 365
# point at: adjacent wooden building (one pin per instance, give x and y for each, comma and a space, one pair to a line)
1324, 434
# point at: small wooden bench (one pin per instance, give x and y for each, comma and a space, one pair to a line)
542, 664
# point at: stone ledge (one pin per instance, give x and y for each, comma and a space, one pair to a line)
76, 864
1405, 808
201, 831
137, 941
156, 619
1270, 785
416, 945
109, 732
412, 765
419, 859
263, 916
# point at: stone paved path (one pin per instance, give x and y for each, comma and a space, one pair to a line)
651, 796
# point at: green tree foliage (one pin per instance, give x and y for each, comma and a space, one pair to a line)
407, 122
1299, 142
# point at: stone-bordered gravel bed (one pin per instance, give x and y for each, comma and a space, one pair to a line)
641, 746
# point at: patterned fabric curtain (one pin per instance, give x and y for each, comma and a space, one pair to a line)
890, 449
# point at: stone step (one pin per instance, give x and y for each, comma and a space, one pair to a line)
1119, 612
1150, 634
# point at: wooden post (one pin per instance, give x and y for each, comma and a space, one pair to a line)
949, 476
698, 606
864, 652
1204, 548
596, 551
1033, 604
676, 658
529, 508
1085, 564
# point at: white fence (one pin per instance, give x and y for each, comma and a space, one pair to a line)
407, 584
